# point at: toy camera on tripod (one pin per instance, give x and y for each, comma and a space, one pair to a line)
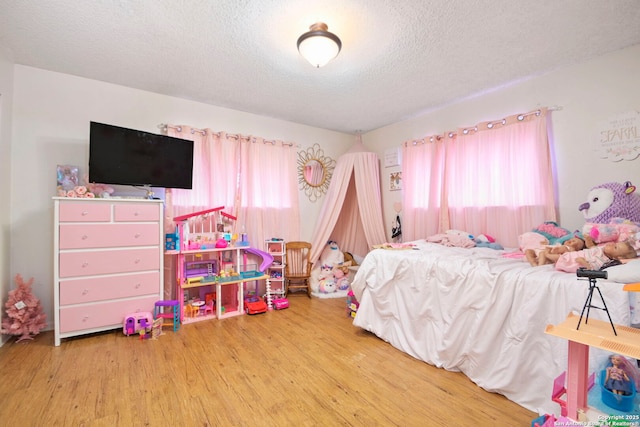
592, 275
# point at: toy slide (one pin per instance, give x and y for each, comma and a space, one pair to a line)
267, 258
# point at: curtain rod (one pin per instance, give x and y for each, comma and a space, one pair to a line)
236, 136
490, 125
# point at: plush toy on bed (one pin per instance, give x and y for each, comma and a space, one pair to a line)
554, 234
486, 241
611, 200
612, 211
618, 230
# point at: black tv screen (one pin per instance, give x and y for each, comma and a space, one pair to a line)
124, 156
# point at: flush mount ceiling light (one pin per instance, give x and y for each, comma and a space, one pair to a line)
319, 46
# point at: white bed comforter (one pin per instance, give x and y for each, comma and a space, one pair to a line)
474, 311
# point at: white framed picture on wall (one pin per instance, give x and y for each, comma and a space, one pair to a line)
391, 157
395, 181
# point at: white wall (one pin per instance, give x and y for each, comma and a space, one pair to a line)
588, 93
6, 97
51, 115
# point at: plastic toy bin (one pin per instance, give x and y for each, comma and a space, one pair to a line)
619, 402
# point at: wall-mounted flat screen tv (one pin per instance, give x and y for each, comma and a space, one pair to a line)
124, 156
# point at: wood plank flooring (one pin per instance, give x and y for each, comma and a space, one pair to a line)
303, 366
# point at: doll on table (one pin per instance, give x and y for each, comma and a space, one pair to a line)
594, 258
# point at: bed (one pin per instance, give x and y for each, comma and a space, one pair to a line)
476, 311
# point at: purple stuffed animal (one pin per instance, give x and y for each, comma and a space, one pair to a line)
611, 200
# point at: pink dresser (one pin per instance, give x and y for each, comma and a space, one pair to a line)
108, 256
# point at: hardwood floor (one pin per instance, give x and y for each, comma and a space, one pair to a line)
303, 366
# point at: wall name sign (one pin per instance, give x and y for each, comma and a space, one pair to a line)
619, 137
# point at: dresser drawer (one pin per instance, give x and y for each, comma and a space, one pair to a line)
82, 236
84, 212
136, 212
78, 318
75, 264
105, 288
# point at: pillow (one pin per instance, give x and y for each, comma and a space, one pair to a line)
625, 273
552, 231
531, 240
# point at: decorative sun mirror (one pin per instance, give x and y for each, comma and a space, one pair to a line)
314, 172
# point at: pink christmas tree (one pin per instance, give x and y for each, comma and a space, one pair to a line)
25, 316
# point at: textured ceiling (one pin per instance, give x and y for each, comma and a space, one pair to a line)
400, 58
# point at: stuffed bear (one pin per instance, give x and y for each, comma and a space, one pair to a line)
611, 200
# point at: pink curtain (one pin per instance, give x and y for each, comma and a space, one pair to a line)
254, 179
495, 178
215, 170
352, 210
423, 186
269, 203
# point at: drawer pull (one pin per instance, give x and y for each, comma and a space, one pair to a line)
137, 261
137, 235
85, 264
137, 286
85, 213
85, 237
85, 318
136, 213
85, 291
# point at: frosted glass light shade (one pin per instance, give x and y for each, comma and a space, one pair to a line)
318, 46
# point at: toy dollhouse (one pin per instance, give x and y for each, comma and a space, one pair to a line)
214, 269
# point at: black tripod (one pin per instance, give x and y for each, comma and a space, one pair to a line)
592, 275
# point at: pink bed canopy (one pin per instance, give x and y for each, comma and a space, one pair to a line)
352, 211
